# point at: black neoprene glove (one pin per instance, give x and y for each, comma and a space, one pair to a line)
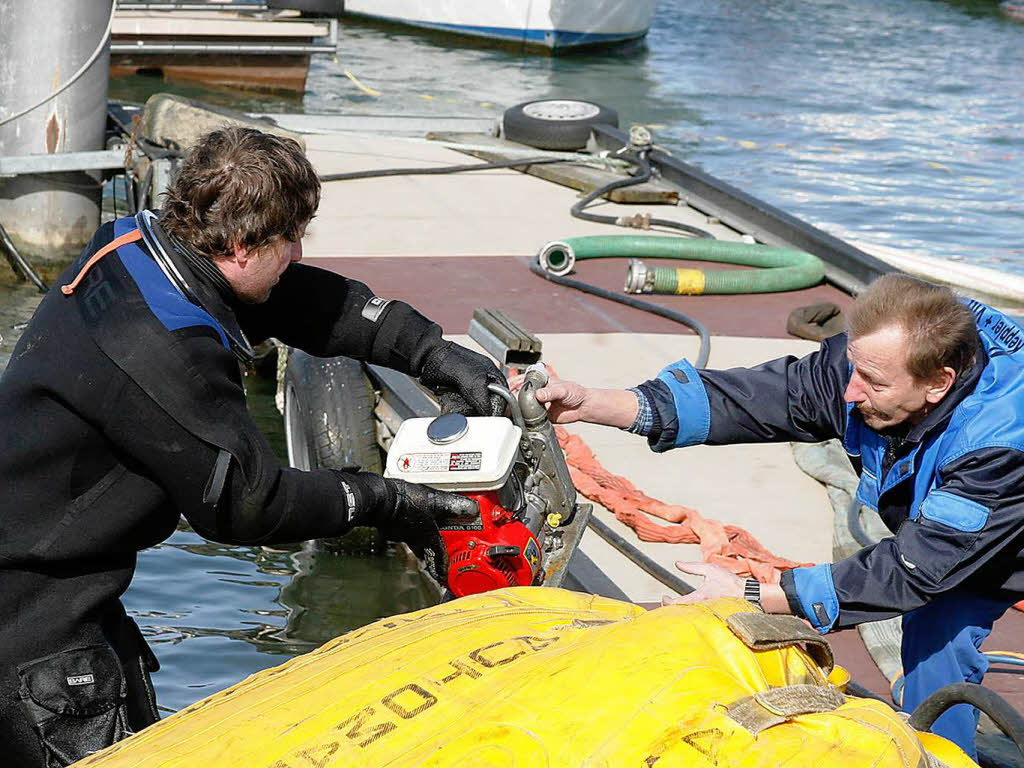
410, 513
459, 377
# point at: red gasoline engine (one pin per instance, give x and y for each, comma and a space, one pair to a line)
479, 458
499, 551
515, 470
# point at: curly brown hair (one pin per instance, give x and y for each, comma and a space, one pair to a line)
240, 186
939, 328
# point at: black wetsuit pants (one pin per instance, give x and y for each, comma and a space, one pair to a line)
63, 707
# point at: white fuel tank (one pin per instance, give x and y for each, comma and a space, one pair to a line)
454, 453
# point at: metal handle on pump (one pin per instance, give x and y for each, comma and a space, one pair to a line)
517, 418
534, 412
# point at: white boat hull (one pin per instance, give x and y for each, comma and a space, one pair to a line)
554, 24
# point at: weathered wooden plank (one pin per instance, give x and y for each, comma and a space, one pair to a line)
581, 177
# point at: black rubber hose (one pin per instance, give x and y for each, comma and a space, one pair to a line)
19, 264
444, 169
578, 210
630, 181
654, 569
629, 301
856, 689
856, 528
991, 703
155, 151
142, 194
129, 193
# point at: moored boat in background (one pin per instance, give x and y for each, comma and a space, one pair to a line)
555, 25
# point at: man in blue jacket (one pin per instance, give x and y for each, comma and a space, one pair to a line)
926, 392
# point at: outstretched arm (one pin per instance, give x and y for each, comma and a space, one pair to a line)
328, 315
785, 399
719, 582
235, 490
791, 398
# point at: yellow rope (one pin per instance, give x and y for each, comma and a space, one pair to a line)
364, 88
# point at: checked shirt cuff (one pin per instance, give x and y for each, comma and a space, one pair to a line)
644, 421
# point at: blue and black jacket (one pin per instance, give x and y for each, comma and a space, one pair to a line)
119, 402
951, 491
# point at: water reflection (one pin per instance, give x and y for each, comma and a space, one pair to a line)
215, 613
977, 8
329, 592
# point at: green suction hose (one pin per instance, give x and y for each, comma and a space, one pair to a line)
784, 269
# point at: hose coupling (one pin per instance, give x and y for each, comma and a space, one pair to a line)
557, 257
668, 281
640, 137
534, 412
636, 221
639, 279
538, 375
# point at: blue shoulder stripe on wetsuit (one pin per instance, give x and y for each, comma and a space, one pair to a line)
167, 303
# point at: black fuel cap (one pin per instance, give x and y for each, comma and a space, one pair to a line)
447, 428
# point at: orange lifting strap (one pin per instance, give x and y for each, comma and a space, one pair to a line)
128, 237
729, 546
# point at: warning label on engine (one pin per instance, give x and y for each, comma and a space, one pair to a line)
465, 461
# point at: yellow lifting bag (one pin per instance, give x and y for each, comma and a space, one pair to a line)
535, 677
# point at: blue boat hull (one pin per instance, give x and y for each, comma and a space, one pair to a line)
555, 40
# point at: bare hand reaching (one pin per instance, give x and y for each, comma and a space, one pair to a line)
718, 582
565, 401
568, 402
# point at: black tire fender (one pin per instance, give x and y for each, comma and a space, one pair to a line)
328, 414
556, 124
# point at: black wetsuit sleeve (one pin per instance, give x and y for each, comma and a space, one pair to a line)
790, 398
328, 315
969, 535
261, 502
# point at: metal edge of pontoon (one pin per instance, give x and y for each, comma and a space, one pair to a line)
248, 49
402, 393
157, 5
583, 575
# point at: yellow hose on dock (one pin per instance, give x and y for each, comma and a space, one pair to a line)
539, 677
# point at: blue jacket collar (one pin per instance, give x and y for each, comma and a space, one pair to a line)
964, 385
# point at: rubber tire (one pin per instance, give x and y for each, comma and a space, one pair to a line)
328, 414
561, 135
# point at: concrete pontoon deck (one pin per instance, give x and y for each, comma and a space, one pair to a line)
450, 244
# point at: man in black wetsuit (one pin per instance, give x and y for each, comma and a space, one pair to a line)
123, 409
